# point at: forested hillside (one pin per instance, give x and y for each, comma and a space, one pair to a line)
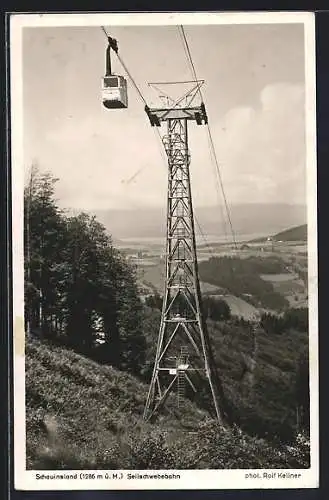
298, 233
264, 371
79, 288
90, 352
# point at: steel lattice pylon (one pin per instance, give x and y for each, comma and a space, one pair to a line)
183, 350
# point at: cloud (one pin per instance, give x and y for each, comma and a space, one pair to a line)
262, 151
114, 160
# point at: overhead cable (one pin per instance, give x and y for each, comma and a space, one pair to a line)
219, 176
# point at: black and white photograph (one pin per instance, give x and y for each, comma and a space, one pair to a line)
164, 251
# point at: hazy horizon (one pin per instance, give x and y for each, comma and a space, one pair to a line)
247, 219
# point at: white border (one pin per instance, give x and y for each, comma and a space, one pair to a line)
200, 479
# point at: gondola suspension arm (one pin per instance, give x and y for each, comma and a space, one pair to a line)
112, 45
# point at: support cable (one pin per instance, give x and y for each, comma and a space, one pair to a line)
189, 57
187, 51
219, 177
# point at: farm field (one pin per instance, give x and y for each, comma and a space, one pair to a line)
290, 286
279, 278
240, 307
152, 276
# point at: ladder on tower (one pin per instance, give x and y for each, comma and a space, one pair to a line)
180, 388
181, 378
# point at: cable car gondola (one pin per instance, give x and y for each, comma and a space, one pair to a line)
114, 92
114, 87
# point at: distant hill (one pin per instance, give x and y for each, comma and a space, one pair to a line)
297, 233
247, 219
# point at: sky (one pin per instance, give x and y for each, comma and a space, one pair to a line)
254, 96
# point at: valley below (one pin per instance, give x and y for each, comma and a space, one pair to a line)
148, 255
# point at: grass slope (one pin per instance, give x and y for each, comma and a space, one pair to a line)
81, 415
90, 405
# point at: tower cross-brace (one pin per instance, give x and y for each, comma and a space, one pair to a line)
183, 351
